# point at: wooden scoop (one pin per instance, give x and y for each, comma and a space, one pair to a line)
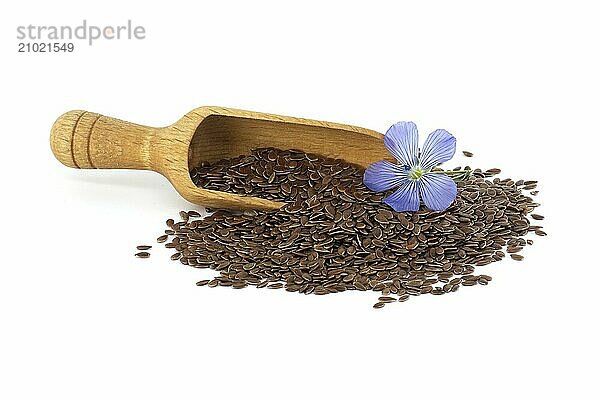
82, 139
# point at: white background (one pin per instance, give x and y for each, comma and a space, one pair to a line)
81, 318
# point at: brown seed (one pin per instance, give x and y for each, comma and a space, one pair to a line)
537, 216
142, 254
467, 154
412, 243
517, 257
275, 286
202, 282
379, 305
381, 218
415, 282
162, 239
143, 247
386, 299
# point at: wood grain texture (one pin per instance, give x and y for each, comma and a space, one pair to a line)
81, 139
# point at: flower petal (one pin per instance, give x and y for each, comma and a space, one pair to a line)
384, 175
438, 191
402, 141
439, 147
406, 198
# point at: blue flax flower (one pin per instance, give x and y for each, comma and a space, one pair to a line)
413, 176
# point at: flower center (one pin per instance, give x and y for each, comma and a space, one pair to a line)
416, 173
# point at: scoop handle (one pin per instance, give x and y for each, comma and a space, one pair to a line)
83, 139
